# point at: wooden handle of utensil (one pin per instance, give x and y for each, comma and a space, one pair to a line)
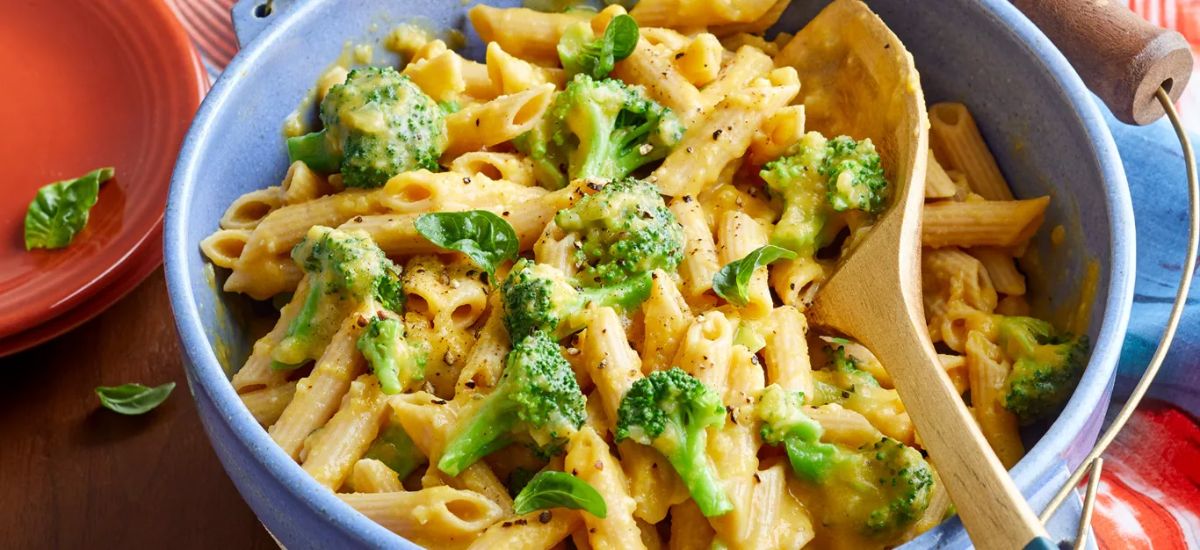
1121, 57
992, 509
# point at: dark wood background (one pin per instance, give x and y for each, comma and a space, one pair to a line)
74, 475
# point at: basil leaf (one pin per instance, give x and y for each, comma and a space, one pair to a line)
133, 399
60, 209
483, 236
559, 490
731, 281
622, 34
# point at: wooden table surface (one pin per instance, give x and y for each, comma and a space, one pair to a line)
74, 475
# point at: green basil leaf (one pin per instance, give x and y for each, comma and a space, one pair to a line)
622, 34
559, 490
60, 209
483, 236
731, 281
133, 399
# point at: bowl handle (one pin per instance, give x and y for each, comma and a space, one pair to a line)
250, 17
1121, 57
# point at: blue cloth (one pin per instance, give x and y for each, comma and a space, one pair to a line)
1158, 183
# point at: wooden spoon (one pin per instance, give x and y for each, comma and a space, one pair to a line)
875, 294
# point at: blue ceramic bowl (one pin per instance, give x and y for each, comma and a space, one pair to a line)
1044, 127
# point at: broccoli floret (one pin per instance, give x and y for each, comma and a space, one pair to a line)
344, 270
1046, 366
820, 177
624, 230
397, 450
879, 488
599, 129
883, 487
377, 124
670, 411
397, 363
855, 175
537, 396
539, 297
784, 422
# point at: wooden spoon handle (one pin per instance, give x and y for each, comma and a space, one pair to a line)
1121, 57
992, 509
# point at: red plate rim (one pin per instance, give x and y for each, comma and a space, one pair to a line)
101, 286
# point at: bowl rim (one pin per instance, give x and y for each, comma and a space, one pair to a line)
205, 370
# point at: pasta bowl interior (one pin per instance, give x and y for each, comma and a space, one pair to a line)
304, 477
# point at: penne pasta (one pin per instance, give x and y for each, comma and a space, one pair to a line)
499, 120
372, 476
523, 32
957, 141
438, 517
319, 394
982, 223
724, 135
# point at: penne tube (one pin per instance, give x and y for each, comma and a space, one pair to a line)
438, 517
748, 64
372, 476
956, 368
319, 394
987, 372
738, 235
589, 459
777, 135
541, 529
759, 25
844, 426
938, 184
495, 166
346, 436
430, 422
268, 403
514, 75
957, 141
485, 361
497, 121
248, 210
440, 76
786, 352
264, 268
666, 316
699, 251
733, 448
777, 519
700, 60
667, 39
557, 248
1002, 269
689, 528
723, 136
698, 13
982, 223
522, 32
225, 246
612, 365
653, 68
256, 373
706, 350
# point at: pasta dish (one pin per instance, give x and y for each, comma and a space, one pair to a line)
556, 297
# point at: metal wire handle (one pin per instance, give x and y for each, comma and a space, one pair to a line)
1093, 462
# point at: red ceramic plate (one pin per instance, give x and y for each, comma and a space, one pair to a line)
88, 84
144, 262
